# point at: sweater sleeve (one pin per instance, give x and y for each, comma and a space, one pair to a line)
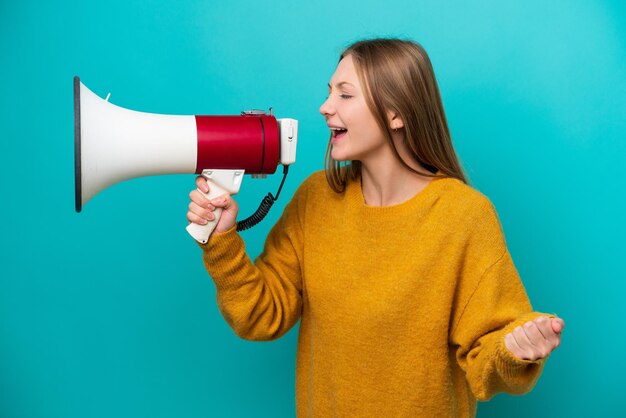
261, 300
492, 301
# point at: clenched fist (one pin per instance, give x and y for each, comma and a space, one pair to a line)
535, 339
201, 209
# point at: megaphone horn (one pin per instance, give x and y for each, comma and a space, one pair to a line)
113, 144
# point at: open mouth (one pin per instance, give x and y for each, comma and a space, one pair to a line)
337, 133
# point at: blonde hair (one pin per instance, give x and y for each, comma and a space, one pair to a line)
397, 75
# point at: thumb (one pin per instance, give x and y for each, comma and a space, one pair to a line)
222, 201
557, 325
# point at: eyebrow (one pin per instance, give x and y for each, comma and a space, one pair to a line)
340, 84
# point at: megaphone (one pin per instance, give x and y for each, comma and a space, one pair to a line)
113, 144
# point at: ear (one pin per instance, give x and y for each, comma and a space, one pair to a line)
394, 120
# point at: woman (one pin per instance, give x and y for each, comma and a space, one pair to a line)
409, 301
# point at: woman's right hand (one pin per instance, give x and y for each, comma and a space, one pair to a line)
201, 209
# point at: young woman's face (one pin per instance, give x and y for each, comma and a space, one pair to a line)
355, 133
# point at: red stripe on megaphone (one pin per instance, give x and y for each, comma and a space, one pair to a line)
248, 142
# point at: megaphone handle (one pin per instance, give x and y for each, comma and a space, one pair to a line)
220, 182
201, 233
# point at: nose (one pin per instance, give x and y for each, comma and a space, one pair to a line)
326, 109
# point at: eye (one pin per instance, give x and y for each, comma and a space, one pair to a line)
345, 96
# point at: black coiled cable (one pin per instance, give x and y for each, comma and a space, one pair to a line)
264, 207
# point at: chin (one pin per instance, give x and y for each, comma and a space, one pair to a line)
341, 153
339, 156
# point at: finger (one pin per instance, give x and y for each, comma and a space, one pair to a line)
202, 184
545, 326
522, 341
556, 342
535, 336
542, 346
200, 200
223, 201
512, 346
192, 217
557, 325
200, 211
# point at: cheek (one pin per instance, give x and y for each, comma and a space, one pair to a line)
357, 117
366, 127
355, 121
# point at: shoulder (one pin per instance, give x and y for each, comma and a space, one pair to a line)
472, 216
306, 195
309, 189
315, 180
464, 200
468, 212
315, 185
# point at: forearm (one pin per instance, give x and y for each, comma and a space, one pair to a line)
259, 302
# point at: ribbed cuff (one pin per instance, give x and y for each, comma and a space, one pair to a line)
215, 240
509, 363
224, 258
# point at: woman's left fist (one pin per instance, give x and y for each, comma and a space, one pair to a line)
535, 339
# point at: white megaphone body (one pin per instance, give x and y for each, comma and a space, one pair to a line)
113, 144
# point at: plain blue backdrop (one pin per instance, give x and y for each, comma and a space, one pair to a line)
109, 313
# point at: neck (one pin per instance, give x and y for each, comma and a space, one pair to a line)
390, 183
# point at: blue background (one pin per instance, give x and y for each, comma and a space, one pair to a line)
110, 312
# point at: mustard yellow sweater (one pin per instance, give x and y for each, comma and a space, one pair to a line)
403, 308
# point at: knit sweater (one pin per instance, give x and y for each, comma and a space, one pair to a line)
403, 308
